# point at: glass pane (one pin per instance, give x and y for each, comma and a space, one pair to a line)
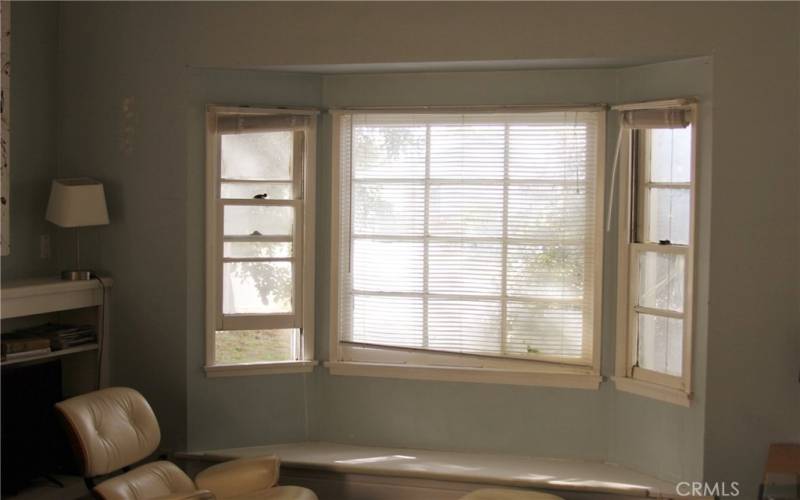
387, 266
464, 326
668, 217
670, 154
388, 151
249, 190
468, 151
257, 249
388, 209
465, 268
256, 287
661, 344
258, 220
546, 330
262, 155
552, 272
387, 320
252, 346
466, 210
661, 280
549, 212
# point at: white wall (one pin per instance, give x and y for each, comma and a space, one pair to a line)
112, 51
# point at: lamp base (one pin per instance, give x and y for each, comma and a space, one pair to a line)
76, 275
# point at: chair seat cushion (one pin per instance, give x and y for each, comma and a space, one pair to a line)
277, 493
503, 494
153, 480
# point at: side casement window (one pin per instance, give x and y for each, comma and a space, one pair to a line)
259, 237
656, 241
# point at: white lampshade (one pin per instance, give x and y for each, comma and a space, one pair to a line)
77, 203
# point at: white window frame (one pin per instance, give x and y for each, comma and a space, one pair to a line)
304, 187
629, 377
430, 365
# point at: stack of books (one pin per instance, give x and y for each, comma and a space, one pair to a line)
45, 338
22, 345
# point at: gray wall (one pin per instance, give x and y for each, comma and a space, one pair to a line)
249, 409
525, 420
33, 137
111, 52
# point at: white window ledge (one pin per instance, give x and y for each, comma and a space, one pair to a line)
246, 369
572, 379
653, 391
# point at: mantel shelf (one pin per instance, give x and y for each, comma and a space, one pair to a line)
44, 295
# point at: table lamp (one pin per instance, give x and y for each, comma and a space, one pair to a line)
77, 203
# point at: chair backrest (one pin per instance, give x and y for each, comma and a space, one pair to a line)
110, 428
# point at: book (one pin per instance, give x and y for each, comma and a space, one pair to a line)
27, 354
20, 342
50, 335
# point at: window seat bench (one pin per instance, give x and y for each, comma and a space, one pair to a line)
348, 472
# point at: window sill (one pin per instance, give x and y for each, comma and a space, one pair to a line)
653, 391
572, 379
247, 369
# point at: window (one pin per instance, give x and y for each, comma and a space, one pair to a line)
656, 245
260, 239
468, 240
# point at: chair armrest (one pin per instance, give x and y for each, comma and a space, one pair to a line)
240, 476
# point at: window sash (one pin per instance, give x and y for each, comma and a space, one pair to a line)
243, 321
352, 350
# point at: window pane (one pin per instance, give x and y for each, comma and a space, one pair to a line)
668, 217
387, 320
466, 210
464, 326
546, 330
252, 346
258, 220
661, 344
388, 151
661, 280
548, 212
552, 272
670, 154
558, 150
248, 190
256, 287
388, 209
464, 268
387, 266
467, 151
263, 155
257, 249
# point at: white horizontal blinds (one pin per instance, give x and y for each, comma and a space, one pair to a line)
659, 252
260, 210
469, 233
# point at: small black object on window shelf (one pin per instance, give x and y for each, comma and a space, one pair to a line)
262, 196
664, 242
